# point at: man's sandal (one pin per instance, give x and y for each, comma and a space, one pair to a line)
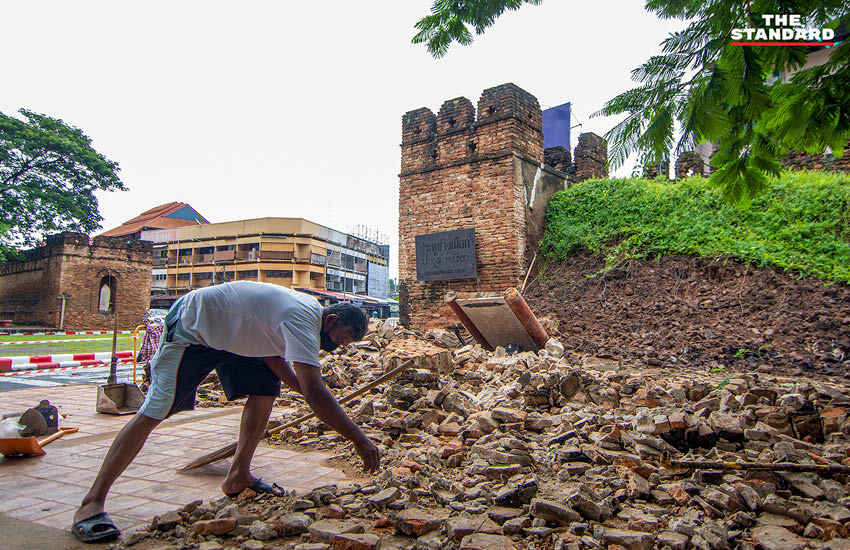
96, 528
261, 486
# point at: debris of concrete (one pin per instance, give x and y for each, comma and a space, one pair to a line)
553, 451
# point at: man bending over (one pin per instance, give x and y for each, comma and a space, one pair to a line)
254, 335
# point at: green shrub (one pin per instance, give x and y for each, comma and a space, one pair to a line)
801, 224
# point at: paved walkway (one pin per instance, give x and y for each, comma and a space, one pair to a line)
48, 489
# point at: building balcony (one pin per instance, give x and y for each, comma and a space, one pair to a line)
225, 255
159, 262
203, 258
312, 259
248, 255
275, 255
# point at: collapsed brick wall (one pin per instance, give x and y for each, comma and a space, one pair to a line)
462, 171
71, 264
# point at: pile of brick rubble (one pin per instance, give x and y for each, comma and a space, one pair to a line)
550, 451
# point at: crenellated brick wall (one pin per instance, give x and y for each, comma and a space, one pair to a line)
650, 171
559, 158
689, 161
799, 160
484, 169
591, 157
459, 170
794, 160
70, 263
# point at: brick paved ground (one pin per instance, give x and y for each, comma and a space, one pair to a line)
48, 489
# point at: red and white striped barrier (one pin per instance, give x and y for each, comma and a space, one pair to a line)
52, 341
65, 368
63, 332
28, 362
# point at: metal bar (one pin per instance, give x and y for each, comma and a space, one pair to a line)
526, 318
451, 300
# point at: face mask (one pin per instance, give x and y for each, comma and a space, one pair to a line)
327, 342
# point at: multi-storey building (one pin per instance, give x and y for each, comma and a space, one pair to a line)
292, 252
158, 225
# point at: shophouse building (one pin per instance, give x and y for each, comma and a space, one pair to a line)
292, 252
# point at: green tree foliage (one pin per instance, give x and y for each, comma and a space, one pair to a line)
800, 223
701, 88
449, 19
48, 175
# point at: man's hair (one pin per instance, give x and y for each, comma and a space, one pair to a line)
349, 316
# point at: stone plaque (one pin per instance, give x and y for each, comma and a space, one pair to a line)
446, 256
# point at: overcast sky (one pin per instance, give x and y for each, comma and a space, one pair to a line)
277, 108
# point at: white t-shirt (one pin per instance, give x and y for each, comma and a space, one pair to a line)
254, 320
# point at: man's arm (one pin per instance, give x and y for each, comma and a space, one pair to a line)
329, 411
281, 368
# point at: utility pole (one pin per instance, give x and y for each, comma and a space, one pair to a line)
113, 360
64, 296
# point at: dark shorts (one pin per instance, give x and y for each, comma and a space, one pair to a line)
239, 376
178, 369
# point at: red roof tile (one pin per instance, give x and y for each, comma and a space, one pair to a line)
151, 219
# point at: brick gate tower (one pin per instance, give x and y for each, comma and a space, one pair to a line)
462, 171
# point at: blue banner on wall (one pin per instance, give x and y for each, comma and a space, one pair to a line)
556, 126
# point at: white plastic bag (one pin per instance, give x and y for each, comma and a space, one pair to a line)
10, 428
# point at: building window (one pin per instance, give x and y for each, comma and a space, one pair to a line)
334, 258
276, 273
106, 295
203, 276
183, 276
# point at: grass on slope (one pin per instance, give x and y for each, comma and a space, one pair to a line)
801, 224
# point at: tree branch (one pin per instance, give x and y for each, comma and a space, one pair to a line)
14, 177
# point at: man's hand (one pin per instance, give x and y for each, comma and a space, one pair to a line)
328, 410
369, 453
